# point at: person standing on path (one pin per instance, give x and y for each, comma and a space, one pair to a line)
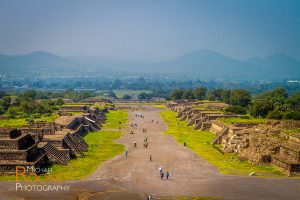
160, 170
150, 158
167, 175
126, 153
162, 175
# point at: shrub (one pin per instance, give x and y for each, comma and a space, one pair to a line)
126, 96
275, 114
292, 115
236, 109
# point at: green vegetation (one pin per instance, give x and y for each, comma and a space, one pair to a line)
296, 130
198, 93
102, 147
199, 141
237, 110
233, 120
15, 123
132, 93
276, 104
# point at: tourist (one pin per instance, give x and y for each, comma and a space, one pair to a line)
149, 197
150, 158
167, 175
162, 175
134, 144
126, 153
160, 170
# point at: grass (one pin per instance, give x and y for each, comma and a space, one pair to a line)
159, 105
199, 141
16, 123
291, 131
233, 120
102, 147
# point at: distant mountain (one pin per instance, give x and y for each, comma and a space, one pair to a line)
275, 66
202, 64
37, 63
205, 63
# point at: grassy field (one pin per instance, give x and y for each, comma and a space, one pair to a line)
233, 120
101, 148
22, 121
199, 141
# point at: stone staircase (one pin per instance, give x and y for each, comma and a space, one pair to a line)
219, 135
73, 145
56, 154
199, 124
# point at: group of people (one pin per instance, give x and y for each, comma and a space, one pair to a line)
161, 173
141, 116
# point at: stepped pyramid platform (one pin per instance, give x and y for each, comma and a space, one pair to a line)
17, 149
288, 158
39, 144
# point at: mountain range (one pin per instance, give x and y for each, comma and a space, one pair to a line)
202, 63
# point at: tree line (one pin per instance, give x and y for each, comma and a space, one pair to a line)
34, 104
273, 104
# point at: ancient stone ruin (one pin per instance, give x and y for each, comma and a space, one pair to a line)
39, 144
259, 143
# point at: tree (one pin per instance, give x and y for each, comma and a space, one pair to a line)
293, 102
240, 97
219, 95
144, 95
275, 114
59, 102
291, 115
112, 94
177, 94
5, 103
260, 108
126, 96
237, 110
199, 93
188, 94
13, 112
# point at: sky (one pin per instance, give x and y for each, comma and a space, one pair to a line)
150, 29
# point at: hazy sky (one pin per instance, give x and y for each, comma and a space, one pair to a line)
152, 29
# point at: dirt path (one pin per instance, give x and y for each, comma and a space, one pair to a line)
140, 175
135, 176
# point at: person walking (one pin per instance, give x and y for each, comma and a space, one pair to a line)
167, 175
150, 158
126, 153
160, 170
149, 197
162, 175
